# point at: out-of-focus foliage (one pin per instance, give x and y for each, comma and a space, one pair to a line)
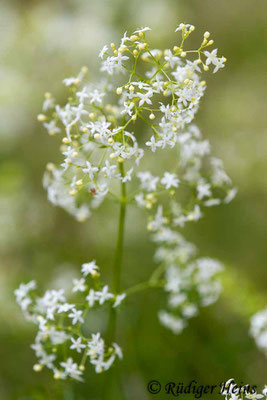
44, 41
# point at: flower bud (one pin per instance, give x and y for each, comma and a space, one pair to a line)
50, 167
37, 367
41, 117
141, 46
84, 70
133, 38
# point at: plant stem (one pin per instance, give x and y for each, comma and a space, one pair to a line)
143, 286
111, 330
120, 238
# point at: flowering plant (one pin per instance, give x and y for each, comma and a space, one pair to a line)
231, 391
103, 154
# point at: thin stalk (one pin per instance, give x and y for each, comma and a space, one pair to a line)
111, 330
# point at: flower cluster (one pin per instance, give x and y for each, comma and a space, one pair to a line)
258, 329
100, 143
60, 343
189, 285
232, 391
163, 90
103, 150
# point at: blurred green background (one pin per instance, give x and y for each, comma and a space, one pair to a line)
44, 41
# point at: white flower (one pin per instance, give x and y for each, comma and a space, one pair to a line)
140, 200
128, 176
104, 295
77, 344
96, 96
169, 180
195, 215
175, 324
118, 299
109, 170
185, 27
79, 285
69, 81
76, 316
103, 51
230, 195
118, 350
153, 144
51, 127
143, 30
89, 268
24, 289
158, 221
211, 57
128, 109
91, 298
203, 190
148, 181
220, 64
71, 369
90, 170
65, 307
145, 97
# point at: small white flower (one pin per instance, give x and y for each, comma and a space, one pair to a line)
118, 350
103, 51
96, 96
90, 170
145, 97
170, 180
153, 144
91, 298
104, 295
65, 307
71, 369
51, 127
220, 64
143, 30
79, 285
128, 109
128, 176
118, 299
24, 289
76, 316
211, 57
203, 190
89, 268
77, 344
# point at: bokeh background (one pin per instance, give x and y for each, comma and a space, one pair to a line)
44, 41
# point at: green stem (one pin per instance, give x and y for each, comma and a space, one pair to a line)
120, 237
143, 286
111, 330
